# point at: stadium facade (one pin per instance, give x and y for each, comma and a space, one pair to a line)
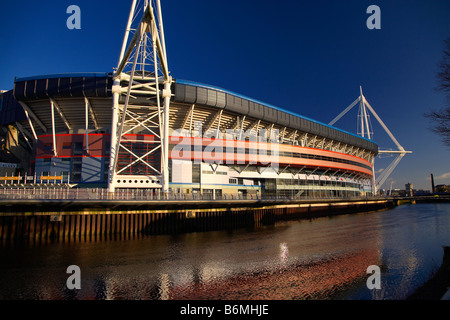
138, 128
220, 142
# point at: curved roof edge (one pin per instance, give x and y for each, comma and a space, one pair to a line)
368, 144
93, 84
65, 75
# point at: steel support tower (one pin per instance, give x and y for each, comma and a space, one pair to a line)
141, 102
365, 130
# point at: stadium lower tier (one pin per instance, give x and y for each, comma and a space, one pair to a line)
204, 166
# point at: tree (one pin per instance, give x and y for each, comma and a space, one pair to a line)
441, 118
444, 72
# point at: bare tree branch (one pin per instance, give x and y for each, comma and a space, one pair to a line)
441, 119
444, 70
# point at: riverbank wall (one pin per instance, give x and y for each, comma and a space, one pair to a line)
84, 220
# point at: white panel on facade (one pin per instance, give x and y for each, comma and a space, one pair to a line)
181, 171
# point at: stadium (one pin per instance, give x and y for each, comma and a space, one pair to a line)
71, 118
137, 128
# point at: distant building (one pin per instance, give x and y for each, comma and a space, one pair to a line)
442, 188
421, 192
409, 189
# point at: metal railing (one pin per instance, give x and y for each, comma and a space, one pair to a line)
102, 194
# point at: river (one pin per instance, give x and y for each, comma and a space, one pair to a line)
323, 258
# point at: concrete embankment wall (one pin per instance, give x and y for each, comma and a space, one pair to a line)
44, 224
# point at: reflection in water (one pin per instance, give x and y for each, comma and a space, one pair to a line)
284, 253
324, 258
316, 280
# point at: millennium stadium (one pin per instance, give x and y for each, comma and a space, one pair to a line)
136, 127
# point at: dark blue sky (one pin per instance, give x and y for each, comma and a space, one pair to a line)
306, 56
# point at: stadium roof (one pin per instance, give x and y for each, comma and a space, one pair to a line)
74, 85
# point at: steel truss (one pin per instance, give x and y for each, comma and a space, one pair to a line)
141, 102
365, 130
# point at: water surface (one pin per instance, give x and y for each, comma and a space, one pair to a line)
323, 258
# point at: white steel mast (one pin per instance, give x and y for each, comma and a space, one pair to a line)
364, 121
141, 102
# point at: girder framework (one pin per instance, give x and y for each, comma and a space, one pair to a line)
184, 117
365, 130
141, 102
